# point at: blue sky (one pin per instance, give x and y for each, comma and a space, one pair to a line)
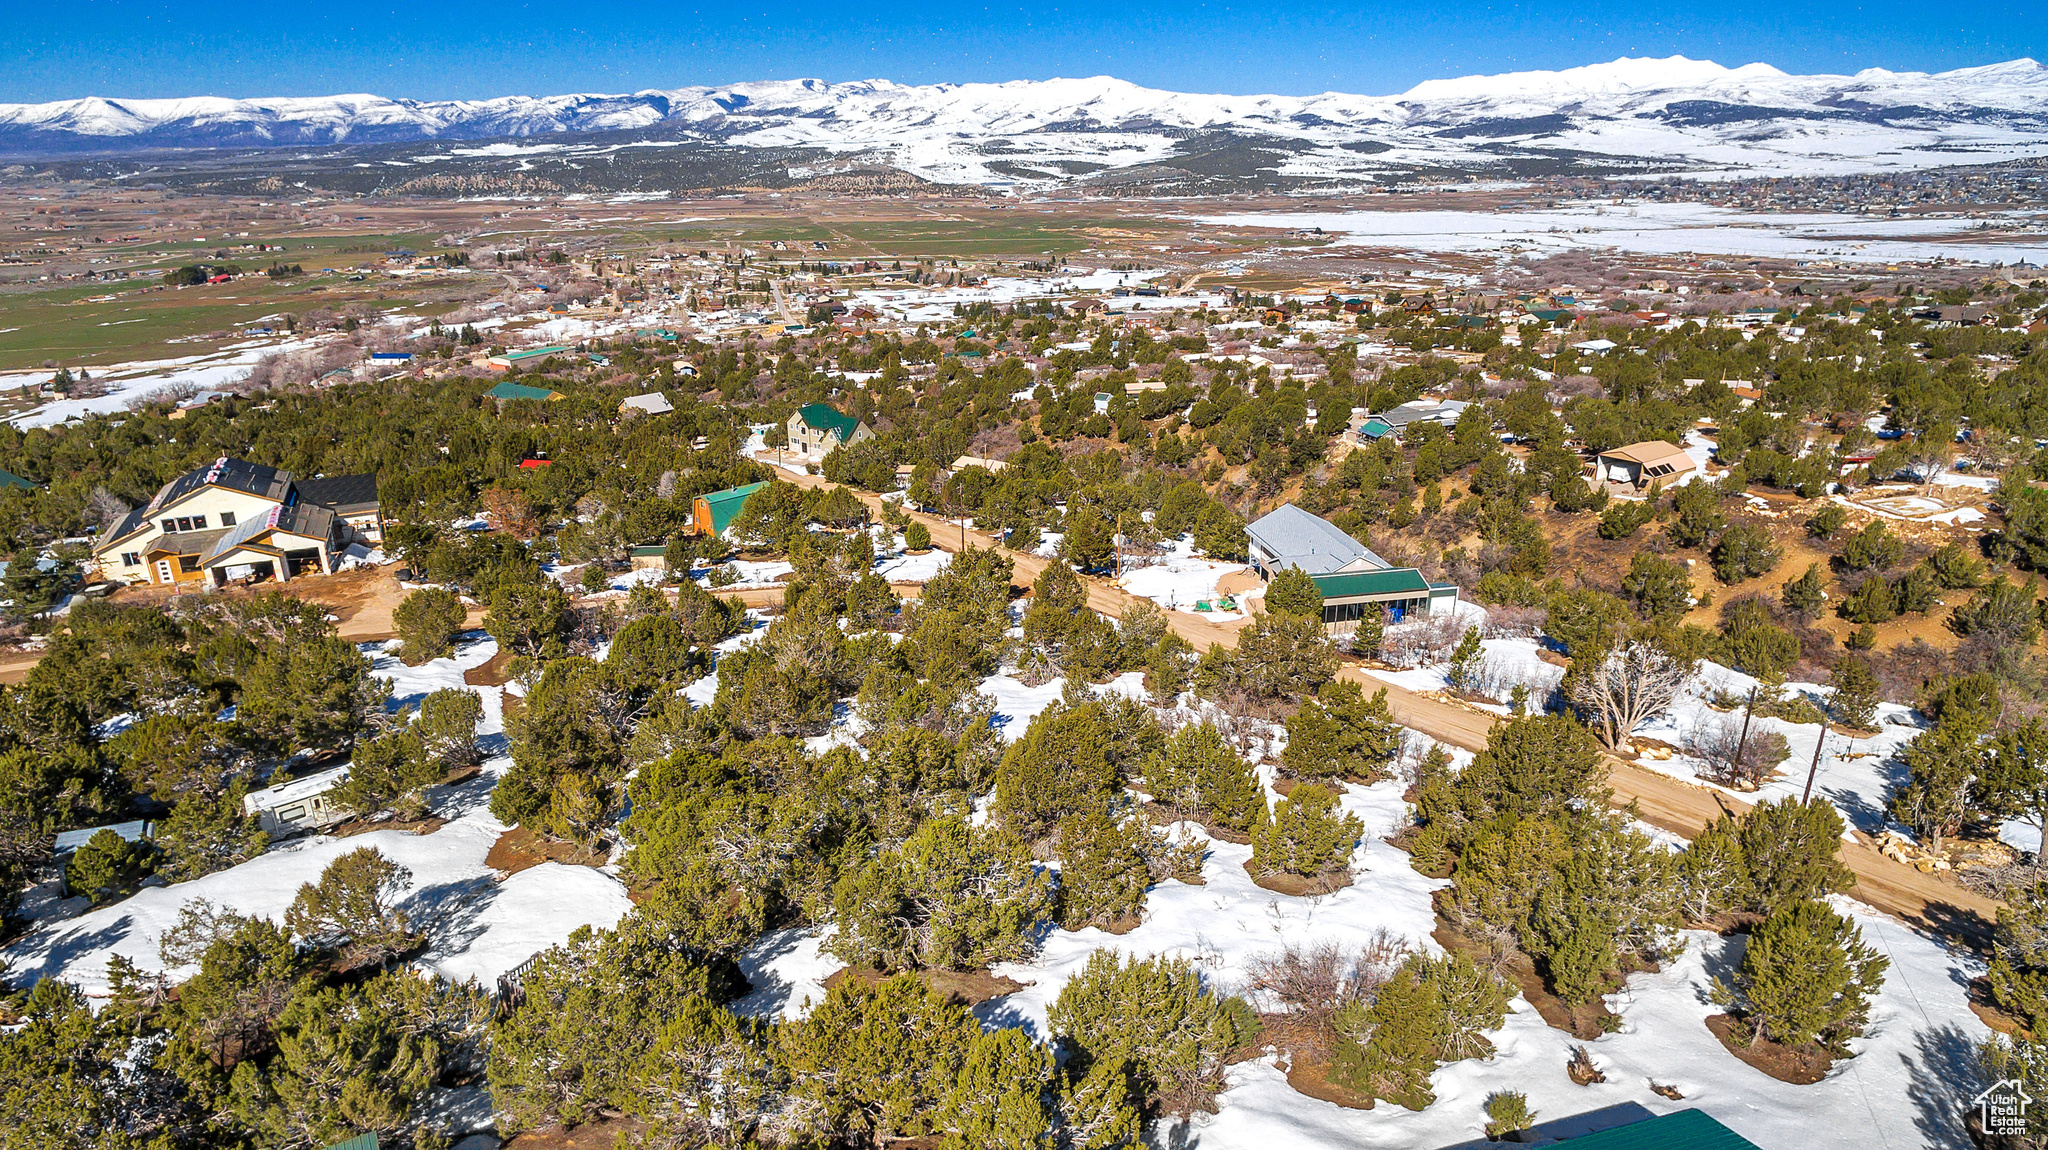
59, 49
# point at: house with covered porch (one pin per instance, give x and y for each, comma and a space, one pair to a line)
1354, 581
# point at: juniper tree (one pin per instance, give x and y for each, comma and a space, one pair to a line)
107, 866
1153, 1020
1341, 734
1306, 834
1104, 868
353, 909
876, 1063
1292, 592
951, 896
1195, 774
1280, 656
1806, 595
1432, 1011
1656, 587
427, 621
207, 834
1003, 1097
1807, 977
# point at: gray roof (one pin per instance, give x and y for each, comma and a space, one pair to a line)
1297, 539
1446, 411
343, 493
654, 403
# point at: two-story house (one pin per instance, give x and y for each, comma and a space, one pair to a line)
232, 519
817, 428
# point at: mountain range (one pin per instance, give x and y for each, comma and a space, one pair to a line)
1632, 115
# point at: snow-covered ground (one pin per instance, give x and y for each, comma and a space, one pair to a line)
1180, 580
1657, 229
476, 926
1905, 1087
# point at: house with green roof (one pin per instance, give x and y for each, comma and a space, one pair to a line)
11, 481
817, 428
509, 390
712, 513
1354, 581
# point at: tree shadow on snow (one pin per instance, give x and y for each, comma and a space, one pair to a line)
451, 913
36, 958
462, 799
766, 990
1943, 1077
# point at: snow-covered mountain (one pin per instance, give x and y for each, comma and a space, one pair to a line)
1670, 114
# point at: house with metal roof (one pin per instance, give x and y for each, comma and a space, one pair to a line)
817, 428
1369, 427
509, 391
233, 519
1354, 581
1639, 466
712, 513
512, 359
653, 403
11, 481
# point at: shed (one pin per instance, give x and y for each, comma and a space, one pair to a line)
11, 481
68, 842
712, 513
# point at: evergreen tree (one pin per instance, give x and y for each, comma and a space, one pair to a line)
1195, 774
312, 695
1003, 1097
1807, 977
1857, 693
108, 866
876, 1063
428, 621
1806, 595
1280, 656
952, 896
1089, 543
1432, 1011
1940, 795
1104, 871
1306, 835
206, 834
352, 909
1292, 592
1150, 1025
1744, 552
1657, 588
1341, 734
1463, 672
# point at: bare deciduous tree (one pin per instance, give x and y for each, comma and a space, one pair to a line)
1733, 761
1629, 685
1311, 982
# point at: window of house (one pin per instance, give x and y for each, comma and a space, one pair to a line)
188, 563
227, 519
131, 558
170, 526
199, 523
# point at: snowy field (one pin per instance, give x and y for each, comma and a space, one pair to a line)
1662, 229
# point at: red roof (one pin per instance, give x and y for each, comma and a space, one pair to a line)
536, 463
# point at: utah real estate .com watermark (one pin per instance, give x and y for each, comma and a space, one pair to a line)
2003, 1108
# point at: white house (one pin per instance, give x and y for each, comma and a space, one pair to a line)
232, 519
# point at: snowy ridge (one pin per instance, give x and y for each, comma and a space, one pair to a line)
1670, 110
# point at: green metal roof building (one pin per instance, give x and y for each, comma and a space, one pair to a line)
510, 390
8, 480
712, 513
1682, 1130
817, 428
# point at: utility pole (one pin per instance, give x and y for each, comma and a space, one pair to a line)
1742, 743
1813, 768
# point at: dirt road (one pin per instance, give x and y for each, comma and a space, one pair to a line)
1929, 901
